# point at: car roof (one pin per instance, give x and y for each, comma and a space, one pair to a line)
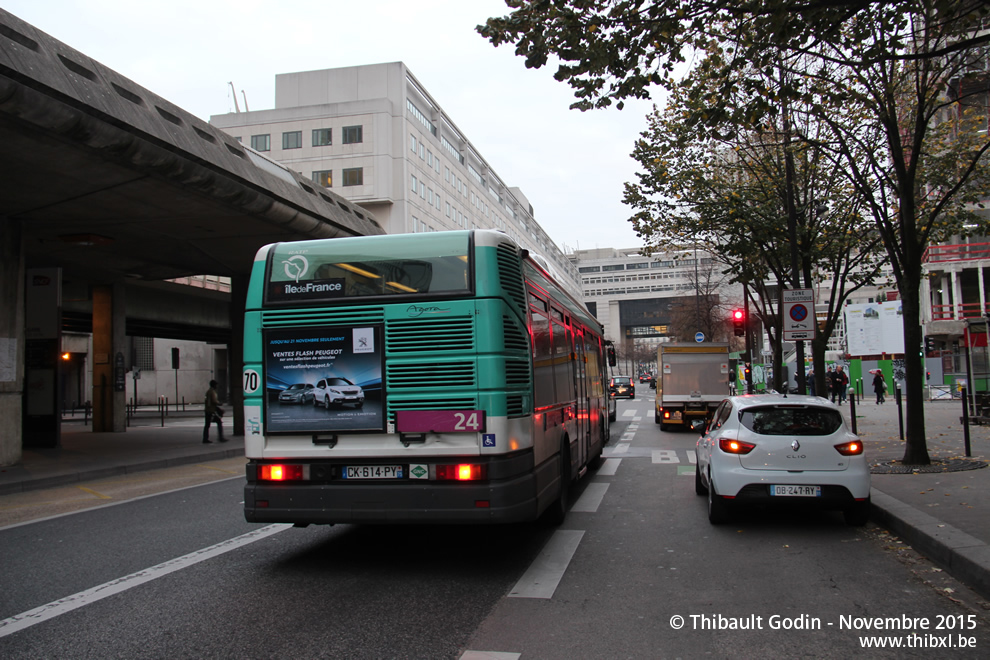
753, 400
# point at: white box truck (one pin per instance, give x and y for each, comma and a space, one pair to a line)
692, 379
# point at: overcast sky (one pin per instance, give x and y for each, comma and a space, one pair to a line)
570, 165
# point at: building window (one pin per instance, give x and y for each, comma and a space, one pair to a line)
322, 137
353, 176
261, 142
589, 269
414, 182
614, 267
353, 134
292, 140
324, 178
637, 266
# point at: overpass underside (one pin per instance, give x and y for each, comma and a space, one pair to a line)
106, 186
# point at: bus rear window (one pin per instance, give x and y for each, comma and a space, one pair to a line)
364, 267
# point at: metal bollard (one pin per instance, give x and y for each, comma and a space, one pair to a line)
852, 412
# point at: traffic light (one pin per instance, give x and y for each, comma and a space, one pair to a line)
738, 322
929, 344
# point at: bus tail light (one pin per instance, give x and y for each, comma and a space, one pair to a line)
279, 472
462, 472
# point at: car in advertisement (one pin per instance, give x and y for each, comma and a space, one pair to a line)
335, 392
298, 393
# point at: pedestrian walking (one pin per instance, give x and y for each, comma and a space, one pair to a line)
841, 384
830, 383
811, 381
213, 412
879, 386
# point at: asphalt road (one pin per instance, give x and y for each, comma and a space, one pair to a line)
140, 570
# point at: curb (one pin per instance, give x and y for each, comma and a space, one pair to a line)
965, 558
116, 471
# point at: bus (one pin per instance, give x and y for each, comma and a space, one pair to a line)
417, 378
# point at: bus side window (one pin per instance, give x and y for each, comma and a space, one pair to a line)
542, 353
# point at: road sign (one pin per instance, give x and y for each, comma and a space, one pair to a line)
799, 314
699, 337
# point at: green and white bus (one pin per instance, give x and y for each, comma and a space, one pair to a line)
418, 378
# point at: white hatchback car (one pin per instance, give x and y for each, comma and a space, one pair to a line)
782, 449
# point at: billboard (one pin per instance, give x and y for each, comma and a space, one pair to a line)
875, 328
324, 379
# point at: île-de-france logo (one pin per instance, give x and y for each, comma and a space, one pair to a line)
295, 267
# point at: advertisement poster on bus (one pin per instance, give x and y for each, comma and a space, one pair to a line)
324, 379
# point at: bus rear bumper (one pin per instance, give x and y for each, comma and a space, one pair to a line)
394, 503
508, 499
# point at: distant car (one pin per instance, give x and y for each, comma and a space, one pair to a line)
782, 449
298, 393
622, 387
331, 392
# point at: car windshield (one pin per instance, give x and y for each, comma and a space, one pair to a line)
791, 420
338, 381
297, 387
620, 381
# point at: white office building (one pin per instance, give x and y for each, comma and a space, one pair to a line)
376, 137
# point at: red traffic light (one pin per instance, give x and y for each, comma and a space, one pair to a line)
739, 322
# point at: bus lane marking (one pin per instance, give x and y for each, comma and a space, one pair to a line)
621, 448
609, 467
542, 577
61, 606
591, 498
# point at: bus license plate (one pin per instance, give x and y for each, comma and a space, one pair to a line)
373, 472
796, 491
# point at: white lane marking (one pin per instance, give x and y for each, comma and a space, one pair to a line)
692, 456
489, 655
637, 419
628, 413
609, 467
665, 456
591, 498
621, 448
75, 601
545, 573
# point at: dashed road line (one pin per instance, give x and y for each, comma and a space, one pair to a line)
609, 467
591, 498
545, 573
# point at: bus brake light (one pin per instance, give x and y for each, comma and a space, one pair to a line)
462, 472
280, 472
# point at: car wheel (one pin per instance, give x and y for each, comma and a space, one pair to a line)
699, 486
858, 514
718, 509
326, 402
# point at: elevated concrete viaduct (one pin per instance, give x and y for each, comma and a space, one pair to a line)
109, 188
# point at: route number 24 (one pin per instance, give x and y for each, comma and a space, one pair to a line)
467, 421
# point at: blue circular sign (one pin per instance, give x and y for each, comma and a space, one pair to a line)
699, 337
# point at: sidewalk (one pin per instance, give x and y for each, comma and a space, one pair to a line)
145, 445
945, 515
943, 511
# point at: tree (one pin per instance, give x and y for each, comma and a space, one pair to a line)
890, 61
727, 190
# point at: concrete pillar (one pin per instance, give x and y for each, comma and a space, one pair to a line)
959, 312
11, 341
235, 353
109, 346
